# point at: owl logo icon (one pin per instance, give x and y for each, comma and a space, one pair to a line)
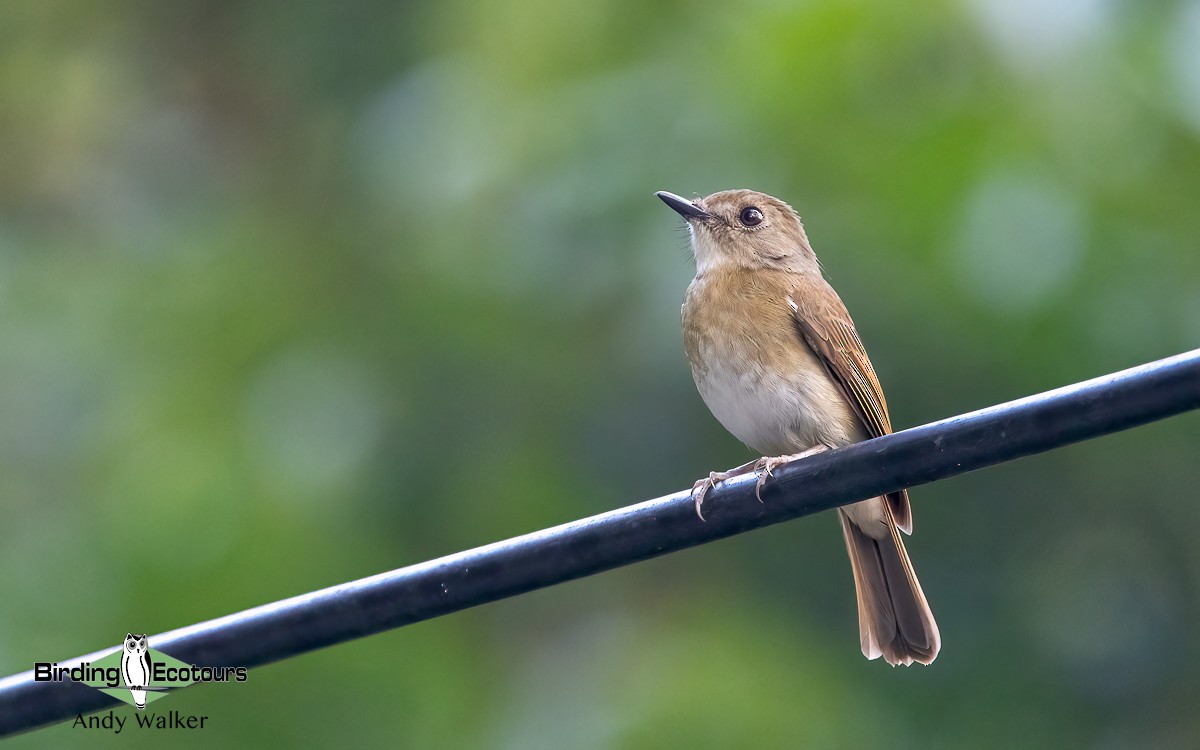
136, 667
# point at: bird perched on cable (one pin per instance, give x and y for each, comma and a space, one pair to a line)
777, 360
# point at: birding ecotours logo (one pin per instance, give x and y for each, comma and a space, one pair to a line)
135, 673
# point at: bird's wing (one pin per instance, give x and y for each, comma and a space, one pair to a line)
826, 326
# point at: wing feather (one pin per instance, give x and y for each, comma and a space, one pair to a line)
826, 327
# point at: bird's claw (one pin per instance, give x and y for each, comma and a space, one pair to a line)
764, 468
768, 464
701, 488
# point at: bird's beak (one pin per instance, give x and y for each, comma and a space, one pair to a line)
683, 206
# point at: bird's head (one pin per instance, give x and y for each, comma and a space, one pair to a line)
744, 228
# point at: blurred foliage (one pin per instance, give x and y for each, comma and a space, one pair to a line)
293, 293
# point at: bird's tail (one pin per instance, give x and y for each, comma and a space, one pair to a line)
894, 619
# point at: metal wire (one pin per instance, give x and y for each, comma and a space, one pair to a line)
419, 592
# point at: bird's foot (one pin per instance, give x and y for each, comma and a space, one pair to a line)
702, 486
767, 464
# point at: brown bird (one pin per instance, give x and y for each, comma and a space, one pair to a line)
777, 360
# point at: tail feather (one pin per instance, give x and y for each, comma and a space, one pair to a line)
894, 618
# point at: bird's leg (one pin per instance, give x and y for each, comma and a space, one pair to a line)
767, 464
702, 486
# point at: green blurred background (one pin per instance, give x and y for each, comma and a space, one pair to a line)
294, 293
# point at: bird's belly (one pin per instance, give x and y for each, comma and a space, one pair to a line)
776, 410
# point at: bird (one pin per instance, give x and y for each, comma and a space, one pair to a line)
778, 361
136, 667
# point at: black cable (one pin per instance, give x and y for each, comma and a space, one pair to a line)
465, 579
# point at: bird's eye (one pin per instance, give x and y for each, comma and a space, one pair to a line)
750, 216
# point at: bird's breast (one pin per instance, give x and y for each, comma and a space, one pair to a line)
754, 371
